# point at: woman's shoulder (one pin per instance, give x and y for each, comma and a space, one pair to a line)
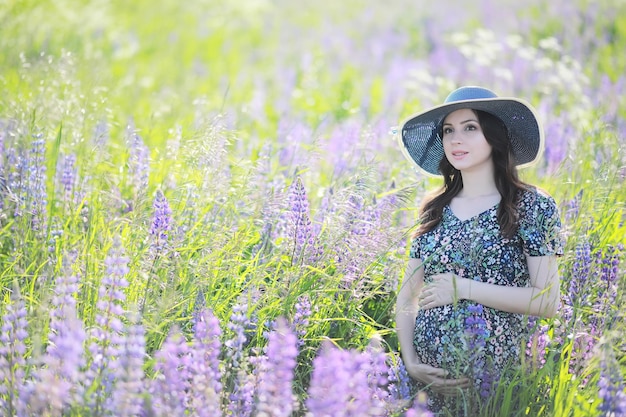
537, 205
533, 197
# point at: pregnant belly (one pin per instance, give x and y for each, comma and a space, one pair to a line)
438, 337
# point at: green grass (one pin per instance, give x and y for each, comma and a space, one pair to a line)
214, 89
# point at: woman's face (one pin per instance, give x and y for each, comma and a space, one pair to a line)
464, 143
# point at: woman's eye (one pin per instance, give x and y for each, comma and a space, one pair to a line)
471, 127
446, 130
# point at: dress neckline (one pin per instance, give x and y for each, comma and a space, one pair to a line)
489, 210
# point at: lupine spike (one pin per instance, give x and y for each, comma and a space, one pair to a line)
301, 317
139, 160
275, 392
611, 386
342, 383
206, 386
12, 350
56, 384
161, 223
36, 190
107, 335
299, 231
171, 387
126, 398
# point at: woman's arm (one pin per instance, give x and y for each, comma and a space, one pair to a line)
407, 306
540, 299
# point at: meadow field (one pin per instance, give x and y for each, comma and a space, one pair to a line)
204, 210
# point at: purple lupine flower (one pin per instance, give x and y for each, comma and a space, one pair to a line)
12, 351
377, 372
238, 324
161, 222
206, 386
399, 381
578, 291
340, 384
170, 388
64, 358
242, 394
15, 172
106, 336
36, 190
609, 261
301, 317
476, 335
476, 327
560, 131
275, 392
189, 215
5, 129
611, 386
101, 134
138, 161
537, 344
126, 399
583, 344
299, 230
573, 207
419, 407
243, 383
67, 177
55, 386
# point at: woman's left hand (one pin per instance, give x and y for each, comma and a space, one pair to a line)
442, 290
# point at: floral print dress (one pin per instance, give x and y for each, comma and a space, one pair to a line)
469, 339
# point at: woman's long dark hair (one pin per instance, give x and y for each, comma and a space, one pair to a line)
505, 172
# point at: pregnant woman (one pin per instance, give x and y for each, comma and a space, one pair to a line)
483, 257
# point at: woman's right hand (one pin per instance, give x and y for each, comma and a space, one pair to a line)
435, 379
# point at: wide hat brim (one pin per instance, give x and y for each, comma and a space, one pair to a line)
421, 141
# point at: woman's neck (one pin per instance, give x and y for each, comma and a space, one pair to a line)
478, 184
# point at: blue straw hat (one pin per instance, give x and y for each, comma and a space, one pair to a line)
420, 133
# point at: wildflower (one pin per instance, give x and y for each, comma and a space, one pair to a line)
237, 325
537, 344
36, 190
55, 385
67, 177
242, 394
377, 373
126, 397
580, 274
301, 317
106, 335
64, 358
399, 381
573, 207
611, 386
206, 386
243, 383
275, 392
12, 350
419, 408
138, 162
609, 261
170, 389
101, 134
476, 335
161, 222
300, 225
342, 383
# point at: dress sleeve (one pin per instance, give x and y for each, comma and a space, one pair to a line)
414, 252
540, 225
